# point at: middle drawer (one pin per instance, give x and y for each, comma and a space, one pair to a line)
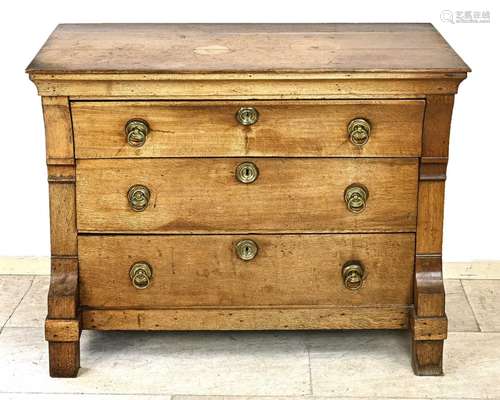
209, 195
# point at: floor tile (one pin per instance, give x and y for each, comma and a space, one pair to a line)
472, 270
61, 396
459, 312
377, 364
24, 265
484, 297
12, 290
181, 397
259, 363
32, 310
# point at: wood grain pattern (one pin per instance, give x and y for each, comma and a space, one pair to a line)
435, 142
430, 217
437, 122
205, 270
63, 290
203, 195
61, 330
248, 318
429, 296
58, 130
429, 328
427, 357
284, 128
62, 219
64, 359
62, 210
433, 168
61, 176
170, 48
64, 355
60, 173
64, 349
187, 80
248, 86
64, 265
429, 303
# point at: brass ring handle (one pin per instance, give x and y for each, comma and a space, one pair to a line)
246, 249
138, 197
247, 172
359, 131
136, 131
355, 197
141, 274
247, 116
353, 274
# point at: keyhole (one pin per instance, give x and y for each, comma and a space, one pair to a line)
246, 172
246, 249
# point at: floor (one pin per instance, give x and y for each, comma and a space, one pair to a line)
281, 365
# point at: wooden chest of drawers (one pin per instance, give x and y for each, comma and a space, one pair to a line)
246, 177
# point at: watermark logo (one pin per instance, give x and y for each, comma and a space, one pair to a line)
465, 17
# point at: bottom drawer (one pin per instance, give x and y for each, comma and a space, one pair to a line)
206, 270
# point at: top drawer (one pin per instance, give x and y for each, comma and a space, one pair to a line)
282, 128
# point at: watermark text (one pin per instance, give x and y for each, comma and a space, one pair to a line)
465, 16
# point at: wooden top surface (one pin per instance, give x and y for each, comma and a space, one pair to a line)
242, 48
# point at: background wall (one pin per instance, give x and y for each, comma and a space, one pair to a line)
472, 217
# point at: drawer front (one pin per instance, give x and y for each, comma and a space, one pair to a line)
291, 128
204, 196
204, 270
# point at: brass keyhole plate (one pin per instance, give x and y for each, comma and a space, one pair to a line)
246, 249
247, 172
247, 116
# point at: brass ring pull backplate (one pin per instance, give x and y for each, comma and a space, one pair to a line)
353, 275
247, 116
138, 197
136, 131
246, 249
141, 274
247, 172
359, 131
355, 197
